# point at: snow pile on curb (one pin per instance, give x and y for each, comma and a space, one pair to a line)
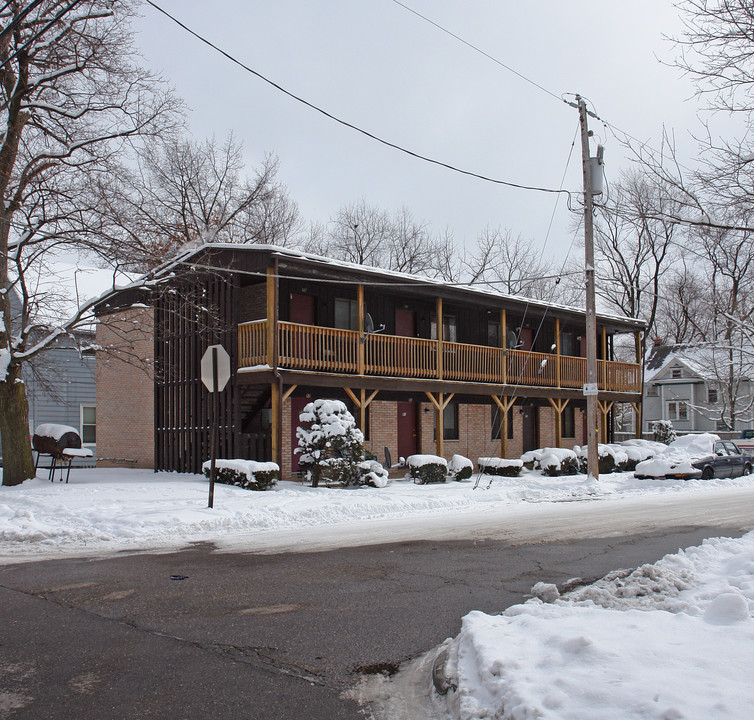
669, 641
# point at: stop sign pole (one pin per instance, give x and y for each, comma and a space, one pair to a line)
215, 367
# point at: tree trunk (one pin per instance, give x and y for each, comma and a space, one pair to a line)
14, 427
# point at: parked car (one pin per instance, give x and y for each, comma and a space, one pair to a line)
694, 456
727, 461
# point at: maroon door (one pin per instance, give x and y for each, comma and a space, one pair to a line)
407, 435
297, 405
303, 309
529, 428
405, 322
526, 338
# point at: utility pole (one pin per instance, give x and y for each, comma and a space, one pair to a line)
590, 388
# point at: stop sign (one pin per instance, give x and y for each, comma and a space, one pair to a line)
215, 365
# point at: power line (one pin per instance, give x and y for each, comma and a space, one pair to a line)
479, 50
347, 124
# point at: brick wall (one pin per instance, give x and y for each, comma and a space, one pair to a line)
125, 389
253, 302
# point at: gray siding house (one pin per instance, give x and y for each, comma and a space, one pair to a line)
61, 388
681, 385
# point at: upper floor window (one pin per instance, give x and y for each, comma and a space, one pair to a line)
711, 395
493, 333
448, 328
653, 390
346, 314
569, 344
678, 410
675, 372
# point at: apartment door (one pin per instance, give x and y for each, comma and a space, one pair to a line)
405, 322
407, 432
303, 311
529, 428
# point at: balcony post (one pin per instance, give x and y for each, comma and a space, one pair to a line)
639, 407
270, 316
504, 343
275, 435
438, 314
504, 404
360, 320
557, 349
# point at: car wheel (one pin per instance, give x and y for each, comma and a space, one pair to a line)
747, 469
708, 473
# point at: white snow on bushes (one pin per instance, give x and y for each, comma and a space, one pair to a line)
249, 468
670, 641
416, 461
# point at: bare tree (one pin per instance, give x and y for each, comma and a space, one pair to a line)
187, 192
510, 264
71, 97
634, 247
684, 310
366, 235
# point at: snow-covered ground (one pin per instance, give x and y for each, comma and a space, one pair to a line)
671, 641
106, 510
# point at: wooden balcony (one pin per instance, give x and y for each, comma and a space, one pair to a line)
329, 350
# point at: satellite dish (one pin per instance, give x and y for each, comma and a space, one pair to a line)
368, 324
511, 340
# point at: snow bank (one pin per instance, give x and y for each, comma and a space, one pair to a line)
669, 641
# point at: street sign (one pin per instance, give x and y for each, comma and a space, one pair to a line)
591, 389
215, 368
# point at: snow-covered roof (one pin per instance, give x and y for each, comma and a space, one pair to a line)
190, 254
700, 359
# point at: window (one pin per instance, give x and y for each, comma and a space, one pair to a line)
711, 395
568, 344
88, 424
450, 422
568, 422
721, 425
448, 328
346, 314
675, 372
493, 333
653, 391
496, 422
678, 410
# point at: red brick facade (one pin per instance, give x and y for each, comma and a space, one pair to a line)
125, 389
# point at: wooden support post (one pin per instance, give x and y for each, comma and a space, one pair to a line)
639, 407
275, 401
557, 349
288, 392
605, 408
440, 403
504, 404
271, 317
360, 320
558, 405
438, 314
504, 343
362, 402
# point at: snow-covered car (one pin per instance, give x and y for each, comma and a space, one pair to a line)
697, 456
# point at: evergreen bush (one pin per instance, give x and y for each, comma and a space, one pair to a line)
425, 469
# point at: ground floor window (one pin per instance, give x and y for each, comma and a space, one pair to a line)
449, 422
568, 422
497, 423
88, 424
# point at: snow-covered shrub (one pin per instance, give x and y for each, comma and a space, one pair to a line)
531, 459
372, 473
329, 443
460, 468
609, 458
424, 469
663, 431
499, 466
248, 474
558, 461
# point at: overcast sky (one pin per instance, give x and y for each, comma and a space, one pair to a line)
376, 65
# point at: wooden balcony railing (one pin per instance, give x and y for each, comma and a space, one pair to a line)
307, 347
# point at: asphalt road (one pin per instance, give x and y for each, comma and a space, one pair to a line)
276, 636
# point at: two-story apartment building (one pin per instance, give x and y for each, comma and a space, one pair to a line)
425, 366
